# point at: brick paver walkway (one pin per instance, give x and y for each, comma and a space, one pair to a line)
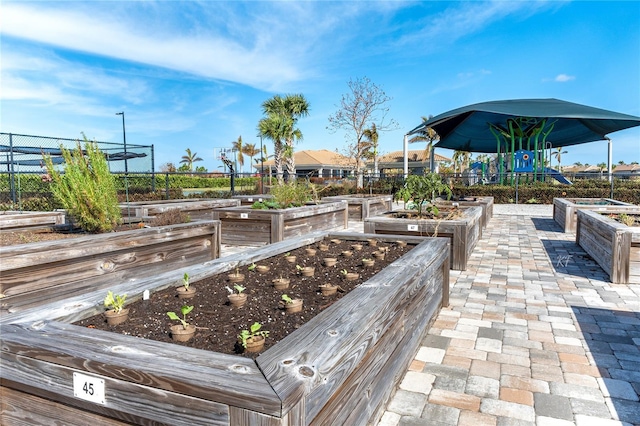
535, 335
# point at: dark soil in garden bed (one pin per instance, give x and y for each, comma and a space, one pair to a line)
444, 213
219, 323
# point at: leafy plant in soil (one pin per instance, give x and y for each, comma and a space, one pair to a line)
422, 191
219, 323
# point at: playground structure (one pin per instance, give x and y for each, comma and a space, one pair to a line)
488, 171
518, 132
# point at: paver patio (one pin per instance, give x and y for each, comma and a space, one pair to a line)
535, 335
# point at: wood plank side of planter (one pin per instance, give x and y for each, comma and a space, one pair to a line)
565, 209
246, 226
197, 209
161, 377
42, 272
19, 408
609, 243
361, 207
301, 366
463, 234
125, 401
386, 361
13, 221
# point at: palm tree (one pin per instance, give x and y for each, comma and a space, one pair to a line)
289, 108
427, 135
273, 127
251, 151
558, 154
460, 158
371, 139
237, 146
190, 158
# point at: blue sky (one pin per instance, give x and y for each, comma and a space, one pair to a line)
194, 74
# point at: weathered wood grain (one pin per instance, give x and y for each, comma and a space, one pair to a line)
247, 226
14, 221
149, 373
318, 358
565, 209
52, 270
463, 233
362, 206
610, 243
20, 408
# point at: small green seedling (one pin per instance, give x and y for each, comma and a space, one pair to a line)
344, 272
287, 299
115, 302
239, 288
299, 268
185, 281
253, 331
184, 310
366, 259
287, 254
252, 267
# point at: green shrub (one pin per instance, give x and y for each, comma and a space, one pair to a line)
86, 189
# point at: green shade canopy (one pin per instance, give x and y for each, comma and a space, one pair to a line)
468, 128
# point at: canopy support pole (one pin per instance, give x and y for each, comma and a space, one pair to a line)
405, 155
610, 159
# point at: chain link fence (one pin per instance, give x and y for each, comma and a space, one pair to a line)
21, 160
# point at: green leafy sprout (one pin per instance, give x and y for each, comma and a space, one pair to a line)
239, 288
253, 331
185, 310
115, 302
185, 281
287, 299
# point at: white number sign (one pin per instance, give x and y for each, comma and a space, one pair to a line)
412, 227
88, 388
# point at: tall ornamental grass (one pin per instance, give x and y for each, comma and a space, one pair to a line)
86, 189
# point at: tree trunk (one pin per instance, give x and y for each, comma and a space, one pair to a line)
291, 166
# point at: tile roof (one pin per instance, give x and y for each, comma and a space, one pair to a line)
316, 158
414, 155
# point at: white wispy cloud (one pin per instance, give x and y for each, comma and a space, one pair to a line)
563, 78
465, 18
197, 52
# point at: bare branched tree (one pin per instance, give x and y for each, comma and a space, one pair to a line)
366, 104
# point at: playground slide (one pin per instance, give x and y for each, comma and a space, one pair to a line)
557, 176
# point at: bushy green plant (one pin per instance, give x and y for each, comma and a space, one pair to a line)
87, 188
423, 190
292, 194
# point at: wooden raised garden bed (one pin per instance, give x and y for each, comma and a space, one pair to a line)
361, 206
200, 209
37, 273
339, 368
247, 200
565, 209
462, 233
485, 202
247, 226
17, 221
613, 245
